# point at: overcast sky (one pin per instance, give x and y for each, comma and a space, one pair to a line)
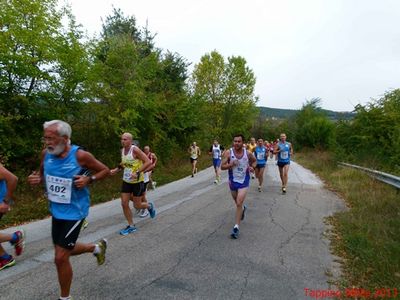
343, 51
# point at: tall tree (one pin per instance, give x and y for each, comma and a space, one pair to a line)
41, 69
225, 92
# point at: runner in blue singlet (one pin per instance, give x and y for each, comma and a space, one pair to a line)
284, 151
62, 172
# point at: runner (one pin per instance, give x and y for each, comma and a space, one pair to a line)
216, 150
261, 154
68, 196
153, 158
239, 162
251, 146
8, 183
284, 151
194, 151
133, 162
144, 212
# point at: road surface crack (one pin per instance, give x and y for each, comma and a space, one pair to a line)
271, 216
181, 258
289, 239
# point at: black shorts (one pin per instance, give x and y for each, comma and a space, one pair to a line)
193, 159
137, 189
261, 166
282, 164
65, 232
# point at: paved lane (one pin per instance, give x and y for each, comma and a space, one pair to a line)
186, 251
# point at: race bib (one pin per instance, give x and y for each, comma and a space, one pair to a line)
239, 173
59, 189
285, 154
260, 155
127, 175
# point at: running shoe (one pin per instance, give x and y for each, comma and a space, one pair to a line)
284, 190
259, 189
6, 263
216, 181
152, 210
101, 256
235, 233
154, 184
243, 212
144, 213
19, 245
127, 230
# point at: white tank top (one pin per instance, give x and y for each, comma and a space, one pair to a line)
240, 170
216, 152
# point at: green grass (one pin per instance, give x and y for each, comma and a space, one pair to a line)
31, 204
367, 235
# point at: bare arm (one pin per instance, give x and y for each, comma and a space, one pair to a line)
11, 181
37, 176
143, 157
87, 160
226, 164
276, 149
153, 164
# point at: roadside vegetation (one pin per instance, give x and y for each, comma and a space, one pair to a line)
367, 235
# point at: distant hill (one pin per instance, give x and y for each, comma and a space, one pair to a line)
281, 113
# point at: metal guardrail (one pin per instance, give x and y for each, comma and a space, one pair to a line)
381, 176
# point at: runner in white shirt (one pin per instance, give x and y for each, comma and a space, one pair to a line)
216, 150
240, 162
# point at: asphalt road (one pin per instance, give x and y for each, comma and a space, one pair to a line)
186, 252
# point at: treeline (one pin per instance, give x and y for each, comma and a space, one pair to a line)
280, 113
370, 138
117, 82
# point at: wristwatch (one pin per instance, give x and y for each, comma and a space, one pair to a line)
92, 178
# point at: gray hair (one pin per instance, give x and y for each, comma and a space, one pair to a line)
63, 128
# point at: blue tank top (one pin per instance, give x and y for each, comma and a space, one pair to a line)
66, 201
284, 153
3, 190
261, 155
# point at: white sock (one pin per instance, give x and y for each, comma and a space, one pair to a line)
65, 298
96, 250
236, 226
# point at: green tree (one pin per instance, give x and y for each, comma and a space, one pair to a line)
312, 126
41, 71
137, 88
373, 135
225, 94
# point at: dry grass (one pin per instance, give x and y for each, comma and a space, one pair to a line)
367, 236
